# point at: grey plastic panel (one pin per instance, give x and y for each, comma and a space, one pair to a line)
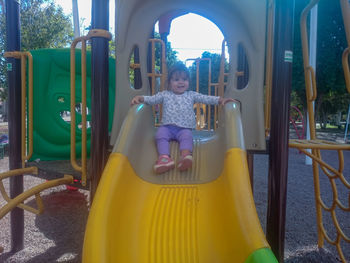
240, 21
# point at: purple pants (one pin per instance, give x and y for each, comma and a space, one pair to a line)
168, 133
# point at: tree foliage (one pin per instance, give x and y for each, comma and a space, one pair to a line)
331, 42
170, 57
171, 54
298, 96
3, 71
43, 25
204, 71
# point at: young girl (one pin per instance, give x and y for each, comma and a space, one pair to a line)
178, 118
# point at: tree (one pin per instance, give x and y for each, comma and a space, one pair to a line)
298, 96
204, 71
3, 71
331, 42
43, 25
171, 55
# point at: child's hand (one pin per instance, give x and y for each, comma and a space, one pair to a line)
223, 101
137, 100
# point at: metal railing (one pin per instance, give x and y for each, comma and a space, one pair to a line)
203, 112
345, 7
334, 175
153, 75
201, 117
163, 72
35, 191
26, 145
26, 127
83, 167
18, 201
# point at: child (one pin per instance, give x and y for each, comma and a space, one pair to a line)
178, 118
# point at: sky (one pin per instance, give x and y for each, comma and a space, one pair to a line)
190, 35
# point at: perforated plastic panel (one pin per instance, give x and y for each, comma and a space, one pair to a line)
51, 81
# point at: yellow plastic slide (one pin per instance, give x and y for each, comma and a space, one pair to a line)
206, 214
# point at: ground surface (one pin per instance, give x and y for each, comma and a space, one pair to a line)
57, 234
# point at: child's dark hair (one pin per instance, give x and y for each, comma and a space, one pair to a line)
178, 67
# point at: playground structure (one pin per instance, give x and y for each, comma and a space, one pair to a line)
206, 118
166, 195
174, 207
335, 175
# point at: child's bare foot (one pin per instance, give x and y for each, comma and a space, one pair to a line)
163, 164
185, 162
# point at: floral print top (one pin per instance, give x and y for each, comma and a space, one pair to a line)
178, 108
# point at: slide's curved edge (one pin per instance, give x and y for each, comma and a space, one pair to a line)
128, 224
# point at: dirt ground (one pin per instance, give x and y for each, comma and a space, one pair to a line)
57, 235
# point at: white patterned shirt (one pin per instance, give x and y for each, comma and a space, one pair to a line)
178, 108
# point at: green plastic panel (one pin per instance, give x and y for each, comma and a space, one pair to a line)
263, 255
51, 85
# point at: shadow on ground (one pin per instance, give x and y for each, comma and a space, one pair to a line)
62, 224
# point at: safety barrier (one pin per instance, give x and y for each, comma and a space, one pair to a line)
334, 175
24, 56
345, 7
34, 191
203, 112
26, 146
83, 167
163, 72
153, 75
201, 117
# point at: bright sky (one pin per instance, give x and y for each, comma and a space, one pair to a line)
84, 7
190, 35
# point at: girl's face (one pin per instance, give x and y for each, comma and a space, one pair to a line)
179, 82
